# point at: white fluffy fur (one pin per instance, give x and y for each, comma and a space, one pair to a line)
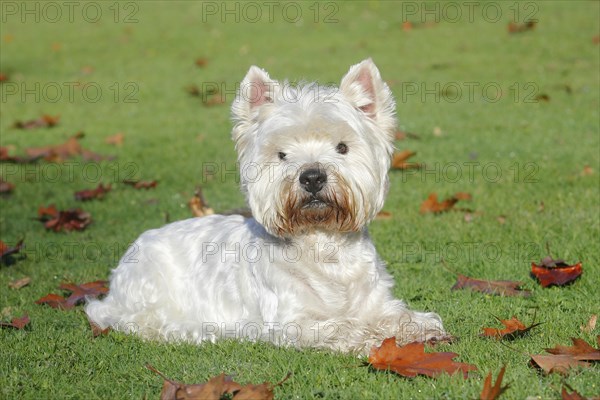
317, 284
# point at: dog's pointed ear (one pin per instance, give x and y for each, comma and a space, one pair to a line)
365, 89
255, 90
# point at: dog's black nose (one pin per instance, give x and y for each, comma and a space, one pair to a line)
313, 180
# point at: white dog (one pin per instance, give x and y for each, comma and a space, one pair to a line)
303, 271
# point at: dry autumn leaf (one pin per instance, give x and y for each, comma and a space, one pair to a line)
6, 187
97, 331
432, 205
45, 121
215, 389
116, 139
402, 135
90, 194
79, 293
591, 325
198, 205
502, 288
555, 272
512, 329
399, 160
562, 358
4, 157
63, 151
201, 62
19, 283
140, 184
7, 251
411, 360
490, 392
524, 27
69, 220
16, 323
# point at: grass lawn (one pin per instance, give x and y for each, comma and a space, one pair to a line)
473, 92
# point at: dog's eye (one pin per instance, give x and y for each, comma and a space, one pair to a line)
341, 148
281, 155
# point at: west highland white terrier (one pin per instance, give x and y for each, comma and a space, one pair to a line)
303, 272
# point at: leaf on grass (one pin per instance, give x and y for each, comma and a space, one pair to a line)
512, 329
45, 121
97, 331
383, 215
90, 194
502, 288
524, 27
411, 360
3, 77
399, 161
69, 220
591, 325
587, 170
140, 184
63, 151
198, 205
79, 293
54, 301
7, 251
116, 139
555, 272
4, 157
201, 62
6, 187
83, 291
16, 323
562, 358
432, 205
216, 388
19, 283
490, 392
402, 135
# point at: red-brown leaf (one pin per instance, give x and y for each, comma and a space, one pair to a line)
512, 329
580, 350
411, 360
432, 205
490, 392
90, 194
80, 292
6, 187
4, 157
74, 219
399, 161
6, 251
502, 288
524, 27
45, 121
19, 283
560, 274
116, 139
140, 184
564, 395
17, 323
562, 358
54, 301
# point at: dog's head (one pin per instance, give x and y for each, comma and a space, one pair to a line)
314, 157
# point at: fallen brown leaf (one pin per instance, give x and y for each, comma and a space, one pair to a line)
90, 194
411, 360
201, 62
524, 27
383, 215
502, 288
198, 205
79, 293
96, 331
116, 139
512, 329
16, 323
399, 160
140, 184
564, 395
45, 121
54, 301
69, 220
562, 358
6, 251
19, 283
6, 187
555, 272
490, 392
591, 325
4, 157
432, 205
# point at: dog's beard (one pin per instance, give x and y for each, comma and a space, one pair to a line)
332, 209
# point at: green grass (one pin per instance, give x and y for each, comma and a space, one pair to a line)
548, 143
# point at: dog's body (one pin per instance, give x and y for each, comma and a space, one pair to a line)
304, 271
